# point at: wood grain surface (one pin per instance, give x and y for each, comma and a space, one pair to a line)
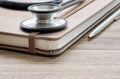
98, 58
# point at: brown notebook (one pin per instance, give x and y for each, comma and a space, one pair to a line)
80, 20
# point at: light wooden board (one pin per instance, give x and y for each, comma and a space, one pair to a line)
98, 58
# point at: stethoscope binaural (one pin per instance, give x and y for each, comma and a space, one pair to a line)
45, 20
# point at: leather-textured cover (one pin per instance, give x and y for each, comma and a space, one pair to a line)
11, 19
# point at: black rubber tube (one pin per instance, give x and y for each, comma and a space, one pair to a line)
22, 5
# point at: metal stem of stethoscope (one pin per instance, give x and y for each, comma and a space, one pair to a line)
45, 20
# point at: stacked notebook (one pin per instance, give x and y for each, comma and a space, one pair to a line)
81, 19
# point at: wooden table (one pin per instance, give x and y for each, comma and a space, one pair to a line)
98, 58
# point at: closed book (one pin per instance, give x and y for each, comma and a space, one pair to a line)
80, 21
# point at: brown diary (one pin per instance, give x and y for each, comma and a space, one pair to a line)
51, 43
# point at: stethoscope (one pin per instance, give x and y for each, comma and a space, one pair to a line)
45, 17
23, 4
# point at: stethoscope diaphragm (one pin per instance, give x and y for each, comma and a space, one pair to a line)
31, 25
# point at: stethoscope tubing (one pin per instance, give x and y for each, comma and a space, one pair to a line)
23, 5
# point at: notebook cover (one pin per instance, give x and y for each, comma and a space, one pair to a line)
8, 16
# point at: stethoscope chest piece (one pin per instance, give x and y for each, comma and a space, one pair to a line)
45, 17
31, 25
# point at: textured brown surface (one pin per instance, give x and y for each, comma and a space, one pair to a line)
98, 58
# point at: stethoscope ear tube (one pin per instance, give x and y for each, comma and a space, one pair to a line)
22, 5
